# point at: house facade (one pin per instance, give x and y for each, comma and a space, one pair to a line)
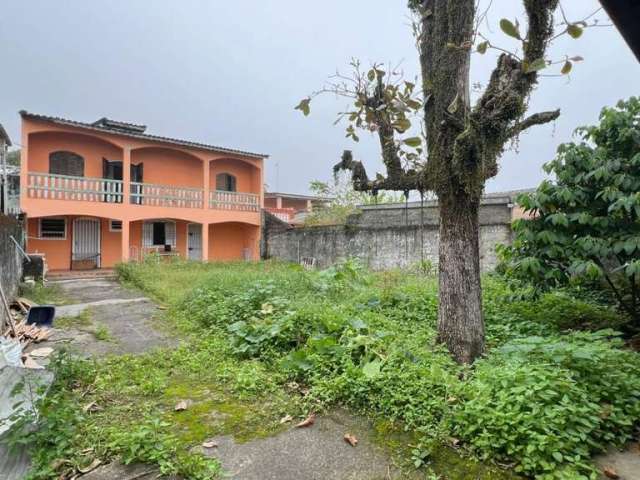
99, 193
291, 207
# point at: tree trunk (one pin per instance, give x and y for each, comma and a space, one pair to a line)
460, 322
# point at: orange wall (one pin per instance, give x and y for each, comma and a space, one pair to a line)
58, 251
227, 241
90, 148
110, 244
165, 166
247, 176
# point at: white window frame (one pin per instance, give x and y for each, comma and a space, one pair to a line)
146, 244
40, 237
115, 230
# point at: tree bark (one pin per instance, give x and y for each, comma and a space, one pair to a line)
460, 320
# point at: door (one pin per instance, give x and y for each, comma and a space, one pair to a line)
86, 244
194, 241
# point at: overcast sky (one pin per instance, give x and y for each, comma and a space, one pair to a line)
230, 72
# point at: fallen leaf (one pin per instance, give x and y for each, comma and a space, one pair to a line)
286, 419
609, 472
209, 444
41, 352
307, 422
92, 466
350, 439
91, 407
181, 406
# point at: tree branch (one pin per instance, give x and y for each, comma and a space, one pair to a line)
535, 119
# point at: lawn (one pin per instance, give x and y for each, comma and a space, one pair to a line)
265, 340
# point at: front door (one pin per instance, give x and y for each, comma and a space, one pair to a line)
194, 241
86, 244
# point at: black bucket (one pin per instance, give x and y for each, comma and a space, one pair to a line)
41, 315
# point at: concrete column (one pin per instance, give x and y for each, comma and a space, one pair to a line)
205, 242
126, 181
125, 240
205, 191
309, 206
278, 202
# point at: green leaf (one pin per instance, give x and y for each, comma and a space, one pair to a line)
402, 125
509, 28
482, 47
304, 107
371, 75
536, 65
372, 369
413, 142
574, 31
566, 68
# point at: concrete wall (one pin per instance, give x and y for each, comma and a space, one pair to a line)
10, 258
384, 236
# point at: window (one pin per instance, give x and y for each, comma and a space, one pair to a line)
159, 233
66, 163
115, 226
54, 228
225, 182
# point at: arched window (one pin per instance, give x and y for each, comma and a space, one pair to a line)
226, 182
66, 163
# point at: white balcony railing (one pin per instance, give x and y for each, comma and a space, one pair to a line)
13, 204
64, 187
243, 202
165, 196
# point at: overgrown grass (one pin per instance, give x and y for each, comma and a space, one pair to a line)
269, 339
41, 294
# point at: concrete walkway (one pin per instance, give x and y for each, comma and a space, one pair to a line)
127, 316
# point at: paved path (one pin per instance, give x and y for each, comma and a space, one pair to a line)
125, 314
130, 319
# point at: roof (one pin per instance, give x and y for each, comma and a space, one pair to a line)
625, 15
133, 130
295, 196
4, 136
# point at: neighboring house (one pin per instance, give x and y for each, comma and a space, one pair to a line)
8, 178
289, 207
99, 193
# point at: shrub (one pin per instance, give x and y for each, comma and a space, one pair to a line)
549, 402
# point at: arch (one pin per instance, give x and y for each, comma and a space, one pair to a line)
65, 162
169, 166
73, 133
226, 182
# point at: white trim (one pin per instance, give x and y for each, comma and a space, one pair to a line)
40, 237
111, 229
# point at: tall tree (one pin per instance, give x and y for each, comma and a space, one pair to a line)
463, 140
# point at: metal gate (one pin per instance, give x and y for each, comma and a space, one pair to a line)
194, 242
86, 244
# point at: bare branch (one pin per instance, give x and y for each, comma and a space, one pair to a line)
535, 119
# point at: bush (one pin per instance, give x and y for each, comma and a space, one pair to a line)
549, 402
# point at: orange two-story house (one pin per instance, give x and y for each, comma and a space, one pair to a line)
99, 193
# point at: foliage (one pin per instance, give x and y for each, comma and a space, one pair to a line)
268, 339
13, 157
552, 401
585, 225
344, 201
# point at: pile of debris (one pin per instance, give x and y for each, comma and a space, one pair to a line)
16, 335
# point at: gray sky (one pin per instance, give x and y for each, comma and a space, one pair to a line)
230, 72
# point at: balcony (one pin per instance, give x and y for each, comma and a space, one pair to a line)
85, 189
165, 196
241, 202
